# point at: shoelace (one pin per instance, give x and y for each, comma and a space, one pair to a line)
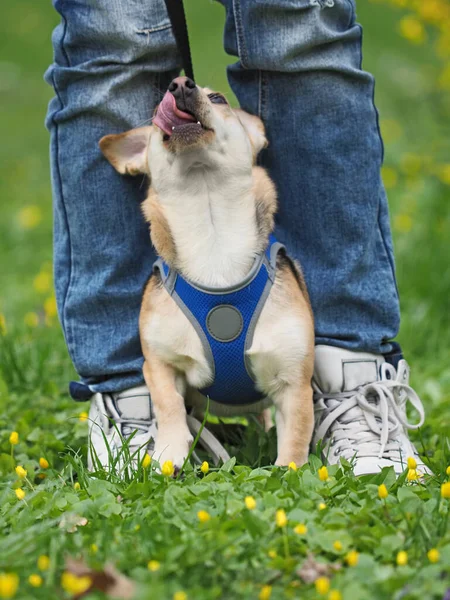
370, 416
128, 425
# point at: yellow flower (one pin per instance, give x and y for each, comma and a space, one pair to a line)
42, 282
20, 493
337, 545
43, 562
272, 554
35, 580
76, 486
265, 593
14, 438
3, 328
301, 529
335, 595
445, 490
382, 491
292, 466
9, 583
43, 463
168, 469
146, 461
432, 11
447, 470
322, 585
413, 30
402, 558
21, 472
75, 585
204, 468
94, 548
403, 223
30, 216
31, 319
203, 516
153, 565
389, 176
50, 307
180, 596
413, 475
433, 555
83, 416
323, 473
352, 558
281, 518
250, 502
322, 506
411, 462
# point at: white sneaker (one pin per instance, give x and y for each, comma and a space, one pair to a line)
360, 410
113, 418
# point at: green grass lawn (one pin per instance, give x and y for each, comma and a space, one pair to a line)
347, 533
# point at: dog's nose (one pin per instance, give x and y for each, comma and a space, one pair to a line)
182, 87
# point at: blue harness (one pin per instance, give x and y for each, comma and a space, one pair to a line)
225, 320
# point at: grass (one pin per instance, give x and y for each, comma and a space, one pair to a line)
154, 518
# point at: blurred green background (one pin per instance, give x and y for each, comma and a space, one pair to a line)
407, 48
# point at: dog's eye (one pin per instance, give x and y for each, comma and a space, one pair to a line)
217, 99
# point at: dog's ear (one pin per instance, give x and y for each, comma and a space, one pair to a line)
127, 152
254, 128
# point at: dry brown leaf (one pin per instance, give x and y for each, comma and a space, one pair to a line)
109, 580
312, 570
70, 521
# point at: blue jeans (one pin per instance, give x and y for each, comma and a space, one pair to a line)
299, 68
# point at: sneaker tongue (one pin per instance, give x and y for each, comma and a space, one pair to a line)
134, 403
338, 370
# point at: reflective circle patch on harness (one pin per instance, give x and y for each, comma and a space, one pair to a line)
224, 323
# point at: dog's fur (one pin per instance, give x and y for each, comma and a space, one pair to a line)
211, 211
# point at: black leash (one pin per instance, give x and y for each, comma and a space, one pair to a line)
177, 18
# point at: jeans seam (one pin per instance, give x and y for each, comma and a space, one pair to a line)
259, 93
377, 117
262, 103
63, 37
239, 33
61, 193
155, 29
262, 100
352, 14
377, 121
387, 249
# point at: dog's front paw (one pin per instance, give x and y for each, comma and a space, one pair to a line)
172, 447
285, 460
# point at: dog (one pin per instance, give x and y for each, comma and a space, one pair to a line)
211, 213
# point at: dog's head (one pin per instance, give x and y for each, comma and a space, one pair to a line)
191, 126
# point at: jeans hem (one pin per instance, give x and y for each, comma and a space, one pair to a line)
382, 347
81, 391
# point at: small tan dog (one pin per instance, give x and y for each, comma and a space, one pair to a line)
211, 212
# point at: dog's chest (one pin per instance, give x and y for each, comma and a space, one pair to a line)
279, 344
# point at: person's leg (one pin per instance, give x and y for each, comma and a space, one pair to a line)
111, 59
300, 70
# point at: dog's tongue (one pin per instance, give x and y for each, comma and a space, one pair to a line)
168, 115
